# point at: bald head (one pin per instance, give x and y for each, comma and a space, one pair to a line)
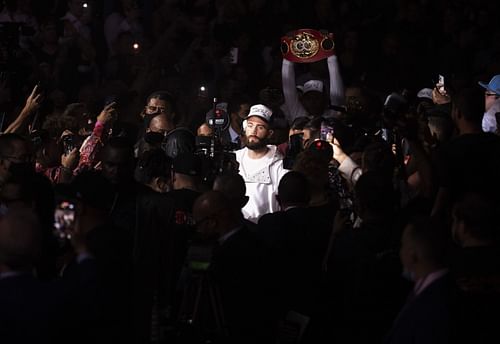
232, 185
19, 240
161, 124
214, 214
209, 204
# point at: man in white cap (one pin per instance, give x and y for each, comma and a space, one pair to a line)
491, 103
313, 102
261, 165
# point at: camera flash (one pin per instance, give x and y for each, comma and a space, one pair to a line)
136, 46
203, 89
85, 5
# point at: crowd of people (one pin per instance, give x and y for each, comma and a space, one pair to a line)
169, 175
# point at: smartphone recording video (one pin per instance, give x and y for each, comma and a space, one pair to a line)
64, 219
326, 133
440, 86
68, 144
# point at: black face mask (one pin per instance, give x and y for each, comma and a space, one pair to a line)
154, 138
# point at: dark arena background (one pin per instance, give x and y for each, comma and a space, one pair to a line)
249, 171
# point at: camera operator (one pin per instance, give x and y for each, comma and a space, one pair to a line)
214, 143
261, 165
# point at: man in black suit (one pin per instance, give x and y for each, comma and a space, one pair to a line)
111, 318
293, 198
476, 266
292, 235
426, 316
237, 268
296, 240
237, 109
31, 310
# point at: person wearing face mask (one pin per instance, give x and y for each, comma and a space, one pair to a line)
491, 104
160, 130
237, 108
427, 315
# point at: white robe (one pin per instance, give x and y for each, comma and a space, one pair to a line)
261, 182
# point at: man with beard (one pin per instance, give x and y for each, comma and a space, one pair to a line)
261, 165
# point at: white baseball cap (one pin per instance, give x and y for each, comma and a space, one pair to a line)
425, 93
313, 85
261, 111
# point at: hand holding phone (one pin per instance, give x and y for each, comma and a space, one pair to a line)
327, 132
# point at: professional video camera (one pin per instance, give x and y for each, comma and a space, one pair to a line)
217, 157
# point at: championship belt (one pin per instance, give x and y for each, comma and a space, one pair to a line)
307, 45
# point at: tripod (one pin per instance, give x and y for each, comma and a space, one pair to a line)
201, 308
